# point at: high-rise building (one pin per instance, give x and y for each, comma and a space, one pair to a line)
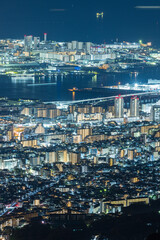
88, 47
119, 107
74, 157
10, 134
27, 111
80, 45
97, 109
84, 109
155, 113
134, 107
29, 143
36, 42
74, 45
84, 132
69, 45
130, 154
51, 157
41, 112
72, 108
28, 43
62, 156
52, 113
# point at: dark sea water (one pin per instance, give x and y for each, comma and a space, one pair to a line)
16, 89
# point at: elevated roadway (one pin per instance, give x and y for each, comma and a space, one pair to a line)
104, 99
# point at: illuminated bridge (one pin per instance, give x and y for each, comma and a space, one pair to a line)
96, 101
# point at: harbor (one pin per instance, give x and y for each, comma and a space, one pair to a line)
152, 85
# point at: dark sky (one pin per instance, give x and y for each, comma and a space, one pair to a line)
66, 20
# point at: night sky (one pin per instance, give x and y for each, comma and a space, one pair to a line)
66, 20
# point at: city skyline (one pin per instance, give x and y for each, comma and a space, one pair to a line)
80, 120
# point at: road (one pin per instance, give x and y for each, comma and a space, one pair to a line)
103, 99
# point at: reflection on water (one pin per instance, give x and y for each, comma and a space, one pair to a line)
94, 80
59, 91
73, 95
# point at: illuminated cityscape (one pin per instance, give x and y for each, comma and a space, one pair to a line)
79, 159
79, 120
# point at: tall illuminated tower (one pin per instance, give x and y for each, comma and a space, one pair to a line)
119, 107
45, 37
134, 107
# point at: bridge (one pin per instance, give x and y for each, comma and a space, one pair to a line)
98, 100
